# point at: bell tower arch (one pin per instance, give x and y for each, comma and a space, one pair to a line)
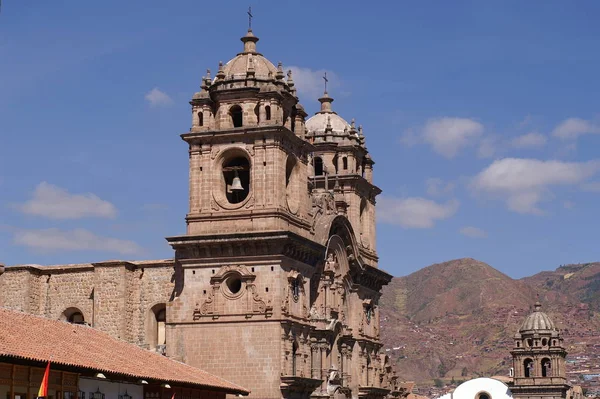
539, 359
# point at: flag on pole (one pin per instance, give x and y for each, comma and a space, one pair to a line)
43, 392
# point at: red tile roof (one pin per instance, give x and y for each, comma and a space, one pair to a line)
35, 338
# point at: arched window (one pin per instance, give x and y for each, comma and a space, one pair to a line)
528, 368
268, 112
294, 356
161, 319
76, 318
546, 367
73, 315
236, 116
200, 119
236, 173
345, 163
156, 336
318, 164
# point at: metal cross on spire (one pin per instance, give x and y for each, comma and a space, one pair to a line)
250, 18
326, 80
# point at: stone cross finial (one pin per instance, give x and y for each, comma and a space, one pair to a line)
250, 18
326, 80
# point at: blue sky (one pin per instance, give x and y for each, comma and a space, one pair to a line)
482, 117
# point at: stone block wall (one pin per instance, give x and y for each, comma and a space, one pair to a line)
248, 355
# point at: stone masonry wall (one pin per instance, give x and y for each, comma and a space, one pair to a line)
248, 354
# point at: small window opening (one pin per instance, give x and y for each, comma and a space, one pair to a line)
368, 367
296, 286
76, 318
293, 121
272, 268
546, 367
200, 119
369, 313
252, 270
266, 289
318, 164
518, 344
294, 356
236, 115
483, 395
544, 342
161, 318
234, 284
289, 168
528, 368
193, 272
268, 112
345, 163
236, 173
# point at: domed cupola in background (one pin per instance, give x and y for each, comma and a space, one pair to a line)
539, 358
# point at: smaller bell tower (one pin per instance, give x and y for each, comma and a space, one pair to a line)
539, 359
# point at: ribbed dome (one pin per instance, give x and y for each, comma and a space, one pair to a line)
326, 118
318, 123
537, 321
249, 59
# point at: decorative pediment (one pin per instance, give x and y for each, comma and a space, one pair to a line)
226, 271
233, 294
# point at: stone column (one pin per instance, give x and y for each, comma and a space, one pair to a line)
315, 360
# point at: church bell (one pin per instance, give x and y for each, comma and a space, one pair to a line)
236, 184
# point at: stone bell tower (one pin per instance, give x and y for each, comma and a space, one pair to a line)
276, 278
539, 359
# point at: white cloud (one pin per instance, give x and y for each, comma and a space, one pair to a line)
473, 232
525, 182
437, 187
158, 98
417, 213
73, 240
448, 135
310, 83
529, 140
53, 202
574, 127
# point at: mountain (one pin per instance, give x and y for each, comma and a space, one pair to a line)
578, 283
456, 319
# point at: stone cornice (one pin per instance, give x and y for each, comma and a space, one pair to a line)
243, 134
283, 243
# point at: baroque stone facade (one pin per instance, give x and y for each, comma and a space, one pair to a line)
275, 285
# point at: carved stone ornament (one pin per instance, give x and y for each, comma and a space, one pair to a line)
219, 300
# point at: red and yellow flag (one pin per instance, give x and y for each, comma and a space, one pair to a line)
43, 392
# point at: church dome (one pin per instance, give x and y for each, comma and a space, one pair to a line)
319, 122
250, 60
537, 321
480, 388
326, 119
